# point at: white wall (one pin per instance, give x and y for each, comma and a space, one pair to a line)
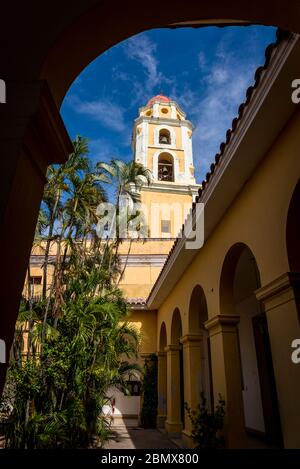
245, 283
124, 405
253, 410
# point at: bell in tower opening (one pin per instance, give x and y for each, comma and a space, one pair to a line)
164, 137
165, 168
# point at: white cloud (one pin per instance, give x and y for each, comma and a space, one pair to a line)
187, 98
104, 111
202, 59
141, 49
224, 87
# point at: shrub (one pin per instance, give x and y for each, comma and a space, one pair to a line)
149, 390
207, 426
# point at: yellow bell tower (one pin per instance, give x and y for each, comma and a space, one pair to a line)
162, 142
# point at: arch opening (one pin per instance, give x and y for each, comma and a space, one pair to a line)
162, 338
198, 315
240, 279
178, 372
91, 41
162, 378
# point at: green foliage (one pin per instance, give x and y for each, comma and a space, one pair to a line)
207, 426
149, 393
74, 343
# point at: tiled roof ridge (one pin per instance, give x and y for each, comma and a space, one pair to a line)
281, 35
136, 301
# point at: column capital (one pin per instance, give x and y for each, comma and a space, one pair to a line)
284, 288
161, 354
222, 323
173, 348
187, 338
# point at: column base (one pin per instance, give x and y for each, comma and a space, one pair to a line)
187, 439
174, 429
160, 421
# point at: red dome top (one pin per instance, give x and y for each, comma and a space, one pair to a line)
159, 97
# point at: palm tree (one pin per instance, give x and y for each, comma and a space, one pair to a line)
58, 177
80, 343
127, 180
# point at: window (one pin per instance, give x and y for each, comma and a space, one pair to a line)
134, 387
35, 280
165, 110
165, 167
165, 226
164, 137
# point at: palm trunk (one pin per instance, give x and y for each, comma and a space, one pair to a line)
48, 244
30, 322
126, 261
52, 289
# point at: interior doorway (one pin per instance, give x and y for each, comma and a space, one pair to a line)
258, 382
267, 380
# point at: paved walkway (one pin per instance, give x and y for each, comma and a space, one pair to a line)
128, 435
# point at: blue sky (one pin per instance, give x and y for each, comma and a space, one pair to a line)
206, 70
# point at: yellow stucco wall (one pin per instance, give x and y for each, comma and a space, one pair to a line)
145, 323
256, 218
253, 219
149, 197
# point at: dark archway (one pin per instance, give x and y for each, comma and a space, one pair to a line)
178, 376
99, 27
162, 337
162, 378
198, 315
176, 327
240, 279
34, 46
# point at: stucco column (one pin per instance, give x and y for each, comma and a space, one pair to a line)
226, 376
32, 136
281, 302
192, 379
173, 423
161, 389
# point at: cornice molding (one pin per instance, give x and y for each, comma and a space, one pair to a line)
191, 338
143, 260
172, 187
172, 348
222, 324
284, 288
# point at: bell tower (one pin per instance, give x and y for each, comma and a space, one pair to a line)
162, 142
